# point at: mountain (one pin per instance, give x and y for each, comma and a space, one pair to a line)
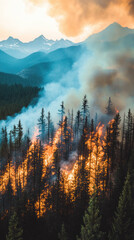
43, 73
38, 67
12, 65
55, 65
112, 33
11, 79
7, 63
18, 49
73, 53
40, 64
13, 47
119, 46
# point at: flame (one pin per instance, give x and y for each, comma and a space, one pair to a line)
41, 204
116, 110
95, 164
48, 156
35, 135
48, 160
70, 178
17, 176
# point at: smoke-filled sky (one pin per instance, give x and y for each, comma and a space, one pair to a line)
75, 19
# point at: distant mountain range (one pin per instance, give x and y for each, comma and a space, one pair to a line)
112, 33
9, 64
18, 49
113, 38
42, 66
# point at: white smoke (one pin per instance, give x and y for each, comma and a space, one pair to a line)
98, 75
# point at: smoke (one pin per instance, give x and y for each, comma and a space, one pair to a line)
131, 7
98, 77
103, 75
74, 16
37, 2
99, 73
50, 99
117, 83
68, 165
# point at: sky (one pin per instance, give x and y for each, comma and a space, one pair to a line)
55, 19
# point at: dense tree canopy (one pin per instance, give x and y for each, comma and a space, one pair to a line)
49, 178
14, 97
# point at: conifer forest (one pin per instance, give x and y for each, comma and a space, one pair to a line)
72, 181
66, 120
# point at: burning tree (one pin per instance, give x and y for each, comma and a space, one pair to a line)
42, 126
110, 109
54, 173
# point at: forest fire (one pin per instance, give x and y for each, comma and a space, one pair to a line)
50, 149
94, 164
69, 172
59, 166
116, 110
56, 172
17, 176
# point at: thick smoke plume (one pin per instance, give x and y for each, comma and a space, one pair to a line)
98, 77
99, 74
117, 83
75, 15
103, 76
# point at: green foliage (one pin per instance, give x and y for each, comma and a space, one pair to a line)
14, 231
13, 98
122, 224
11, 79
62, 235
92, 220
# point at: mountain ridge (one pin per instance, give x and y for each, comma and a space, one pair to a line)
19, 49
111, 33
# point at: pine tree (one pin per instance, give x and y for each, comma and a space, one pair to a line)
61, 112
78, 124
14, 133
10, 143
85, 108
109, 108
15, 232
128, 135
20, 134
115, 132
62, 235
4, 143
57, 185
96, 120
48, 126
122, 224
92, 220
42, 126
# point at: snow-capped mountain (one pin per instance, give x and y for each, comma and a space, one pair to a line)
18, 49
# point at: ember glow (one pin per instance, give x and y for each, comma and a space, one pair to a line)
69, 173
94, 165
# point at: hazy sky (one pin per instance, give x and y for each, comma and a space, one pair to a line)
74, 19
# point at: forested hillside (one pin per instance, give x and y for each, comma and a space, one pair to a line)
14, 97
49, 180
66, 166
11, 79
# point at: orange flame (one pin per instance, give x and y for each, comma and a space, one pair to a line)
95, 163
